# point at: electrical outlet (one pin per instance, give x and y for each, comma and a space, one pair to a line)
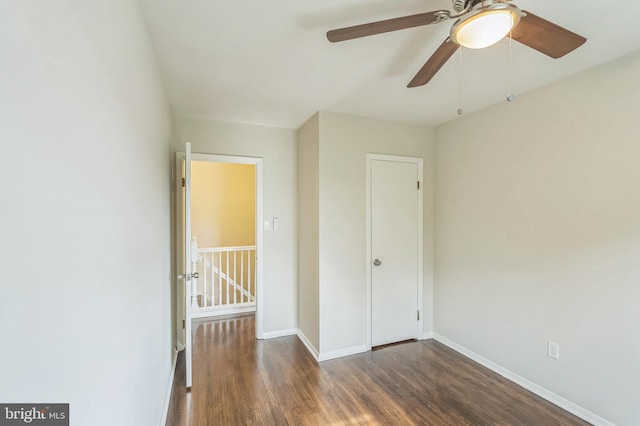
553, 350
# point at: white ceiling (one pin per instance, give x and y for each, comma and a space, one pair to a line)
269, 62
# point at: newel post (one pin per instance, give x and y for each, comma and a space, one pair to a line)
194, 266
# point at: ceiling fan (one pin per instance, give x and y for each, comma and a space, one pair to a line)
480, 23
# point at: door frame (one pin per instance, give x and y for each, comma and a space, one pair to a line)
400, 159
257, 162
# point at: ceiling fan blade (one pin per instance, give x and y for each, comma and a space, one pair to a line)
387, 25
546, 37
435, 62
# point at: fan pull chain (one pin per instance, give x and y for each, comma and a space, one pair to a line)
510, 97
460, 109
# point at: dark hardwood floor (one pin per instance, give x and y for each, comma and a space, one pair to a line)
238, 380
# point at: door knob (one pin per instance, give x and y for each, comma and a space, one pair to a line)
377, 262
188, 277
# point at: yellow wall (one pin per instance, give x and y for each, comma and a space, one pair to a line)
223, 204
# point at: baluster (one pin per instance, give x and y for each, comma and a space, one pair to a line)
227, 274
235, 281
211, 279
249, 273
242, 276
219, 278
204, 279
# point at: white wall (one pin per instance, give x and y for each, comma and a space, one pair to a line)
84, 183
344, 142
538, 237
277, 148
308, 231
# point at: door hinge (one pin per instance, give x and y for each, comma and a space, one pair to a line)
418, 315
418, 184
183, 324
183, 182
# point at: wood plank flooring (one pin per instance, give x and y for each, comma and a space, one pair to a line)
238, 380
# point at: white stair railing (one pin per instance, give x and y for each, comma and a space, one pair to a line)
227, 278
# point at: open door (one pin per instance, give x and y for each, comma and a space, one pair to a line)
184, 253
187, 273
197, 307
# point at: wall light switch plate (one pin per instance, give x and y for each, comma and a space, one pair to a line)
267, 225
553, 350
276, 224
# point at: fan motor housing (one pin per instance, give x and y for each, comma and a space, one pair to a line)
460, 5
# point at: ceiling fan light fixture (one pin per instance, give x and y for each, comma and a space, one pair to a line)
485, 25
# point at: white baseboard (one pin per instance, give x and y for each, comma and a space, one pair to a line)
216, 312
167, 398
575, 409
312, 349
325, 356
339, 353
279, 333
427, 335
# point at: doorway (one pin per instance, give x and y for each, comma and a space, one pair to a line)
223, 238
394, 249
226, 250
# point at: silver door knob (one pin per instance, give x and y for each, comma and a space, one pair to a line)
377, 262
188, 277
